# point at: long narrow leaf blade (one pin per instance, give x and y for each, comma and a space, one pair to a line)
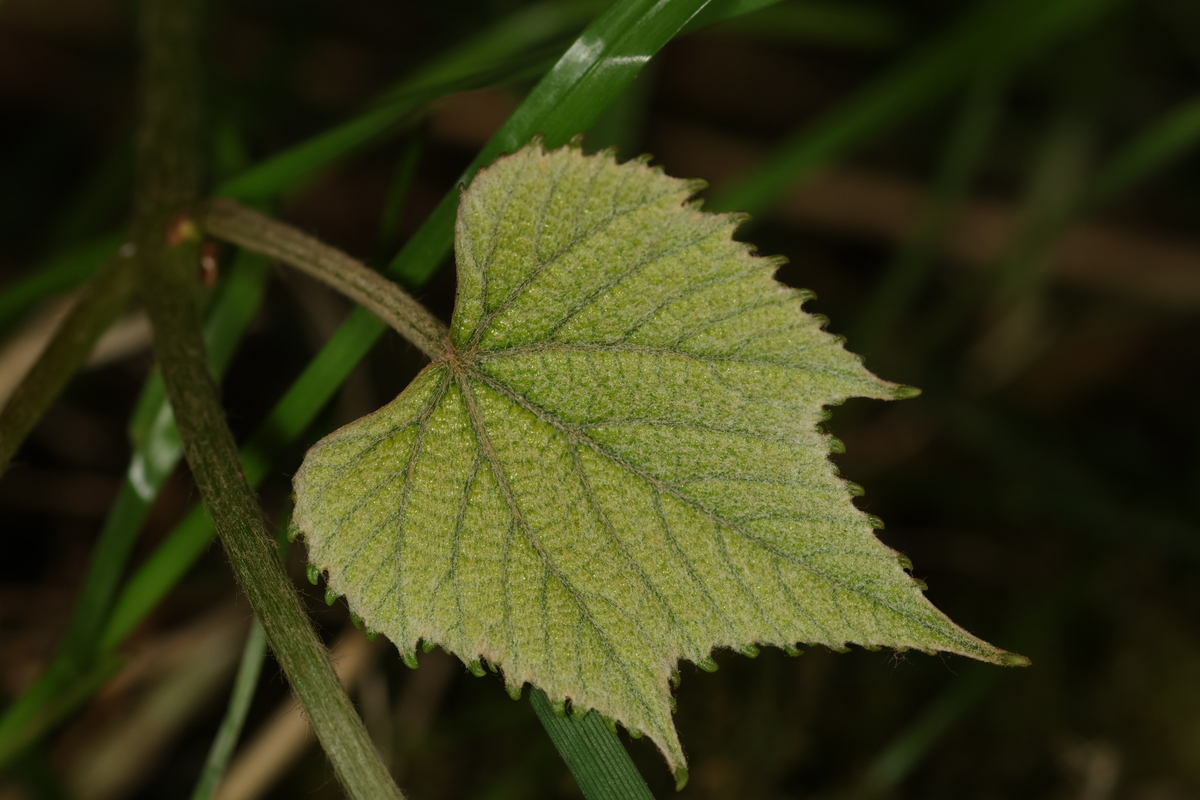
593, 753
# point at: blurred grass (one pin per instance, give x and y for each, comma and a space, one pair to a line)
846, 25
993, 36
902, 281
1163, 141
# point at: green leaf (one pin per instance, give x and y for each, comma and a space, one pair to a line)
617, 464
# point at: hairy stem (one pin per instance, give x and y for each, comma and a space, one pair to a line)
235, 223
104, 298
168, 179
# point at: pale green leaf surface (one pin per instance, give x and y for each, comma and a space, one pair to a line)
617, 465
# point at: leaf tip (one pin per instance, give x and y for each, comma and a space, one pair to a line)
707, 664
905, 392
410, 660
681, 778
1007, 659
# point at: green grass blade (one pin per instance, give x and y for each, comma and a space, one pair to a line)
593, 753
595, 69
227, 736
996, 34
61, 273
156, 576
254, 652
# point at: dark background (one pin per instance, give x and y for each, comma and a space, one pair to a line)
1044, 485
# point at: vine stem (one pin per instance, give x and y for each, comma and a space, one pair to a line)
238, 224
168, 178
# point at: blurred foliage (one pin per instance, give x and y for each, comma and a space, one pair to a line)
996, 206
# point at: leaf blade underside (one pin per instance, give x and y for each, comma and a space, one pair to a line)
618, 464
